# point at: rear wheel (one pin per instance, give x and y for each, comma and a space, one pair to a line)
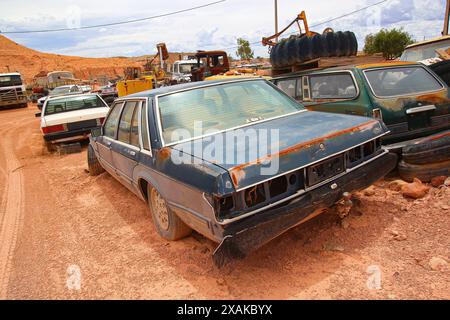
167, 223
93, 164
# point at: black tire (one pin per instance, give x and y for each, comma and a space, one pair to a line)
331, 39
429, 151
316, 46
50, 146
93, 164
175, 228
353, 43
324, 44
305, 49
274, 56
423, 172
283, 56
291, 51
342, 44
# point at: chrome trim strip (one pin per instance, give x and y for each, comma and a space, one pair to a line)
402, 95
312, 163
421, 109
300, 192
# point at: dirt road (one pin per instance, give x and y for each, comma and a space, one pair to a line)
65, 234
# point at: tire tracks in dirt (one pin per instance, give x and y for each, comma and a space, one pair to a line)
11, 206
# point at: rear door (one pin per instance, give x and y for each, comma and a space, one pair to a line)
414, 102
104, 143
126, 149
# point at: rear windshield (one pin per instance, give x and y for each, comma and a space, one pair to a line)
401, 81
72, 104
221, 107
9, 81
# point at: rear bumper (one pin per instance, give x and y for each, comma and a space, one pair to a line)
246, 236
72, 135
398, 147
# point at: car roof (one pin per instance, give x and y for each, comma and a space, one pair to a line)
439, 39
348, 67
184, 86
9, 74
66, 96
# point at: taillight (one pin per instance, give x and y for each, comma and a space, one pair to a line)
53, 129
101, 120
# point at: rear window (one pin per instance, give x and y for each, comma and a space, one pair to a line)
401, 81
425, 51
332, 86
72, 104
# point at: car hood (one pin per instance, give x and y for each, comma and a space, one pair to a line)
297, 140
74, 116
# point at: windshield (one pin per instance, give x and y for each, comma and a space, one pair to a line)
424, 52
186, 68
72, 104
9, 81
63, 90
401, 81
221, 107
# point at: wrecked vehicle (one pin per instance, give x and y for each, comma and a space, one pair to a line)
413, 102
189, 151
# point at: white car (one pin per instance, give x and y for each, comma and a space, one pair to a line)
71, 117
59, 91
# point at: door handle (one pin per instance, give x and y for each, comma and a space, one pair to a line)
131, 153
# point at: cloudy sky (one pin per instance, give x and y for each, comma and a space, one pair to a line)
213, 27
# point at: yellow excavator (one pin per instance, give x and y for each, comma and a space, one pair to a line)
136, 80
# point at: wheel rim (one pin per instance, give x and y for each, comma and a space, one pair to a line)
160, 210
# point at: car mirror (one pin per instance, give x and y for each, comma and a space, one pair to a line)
96, 132
38, 115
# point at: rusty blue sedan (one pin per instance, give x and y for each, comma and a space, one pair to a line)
239, 161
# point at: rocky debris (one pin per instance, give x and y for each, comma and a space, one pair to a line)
415, 190
332, 247
447, 182
438, 263
344, 206
397, 236
370, 191
396, 185
436, 182
345, 224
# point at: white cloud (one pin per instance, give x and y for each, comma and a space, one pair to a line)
218, 26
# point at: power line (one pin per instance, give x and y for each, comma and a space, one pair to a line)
116, 23
258, 43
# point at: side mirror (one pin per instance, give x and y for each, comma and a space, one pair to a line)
38, 115
96, 132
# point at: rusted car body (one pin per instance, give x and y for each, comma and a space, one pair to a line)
410, 110
320, 157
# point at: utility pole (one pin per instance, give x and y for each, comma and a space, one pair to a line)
276, 18
446, 21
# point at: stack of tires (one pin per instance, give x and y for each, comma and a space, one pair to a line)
296, 50
426, 160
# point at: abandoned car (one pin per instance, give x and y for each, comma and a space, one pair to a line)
71, 118
151, 142
413, 102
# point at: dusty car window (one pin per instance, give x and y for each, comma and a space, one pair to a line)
72, 104
424, 52
112, 121
125, 122
239, 104
288, 86
401, 81
332, 86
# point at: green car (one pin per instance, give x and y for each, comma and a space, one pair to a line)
412, 101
